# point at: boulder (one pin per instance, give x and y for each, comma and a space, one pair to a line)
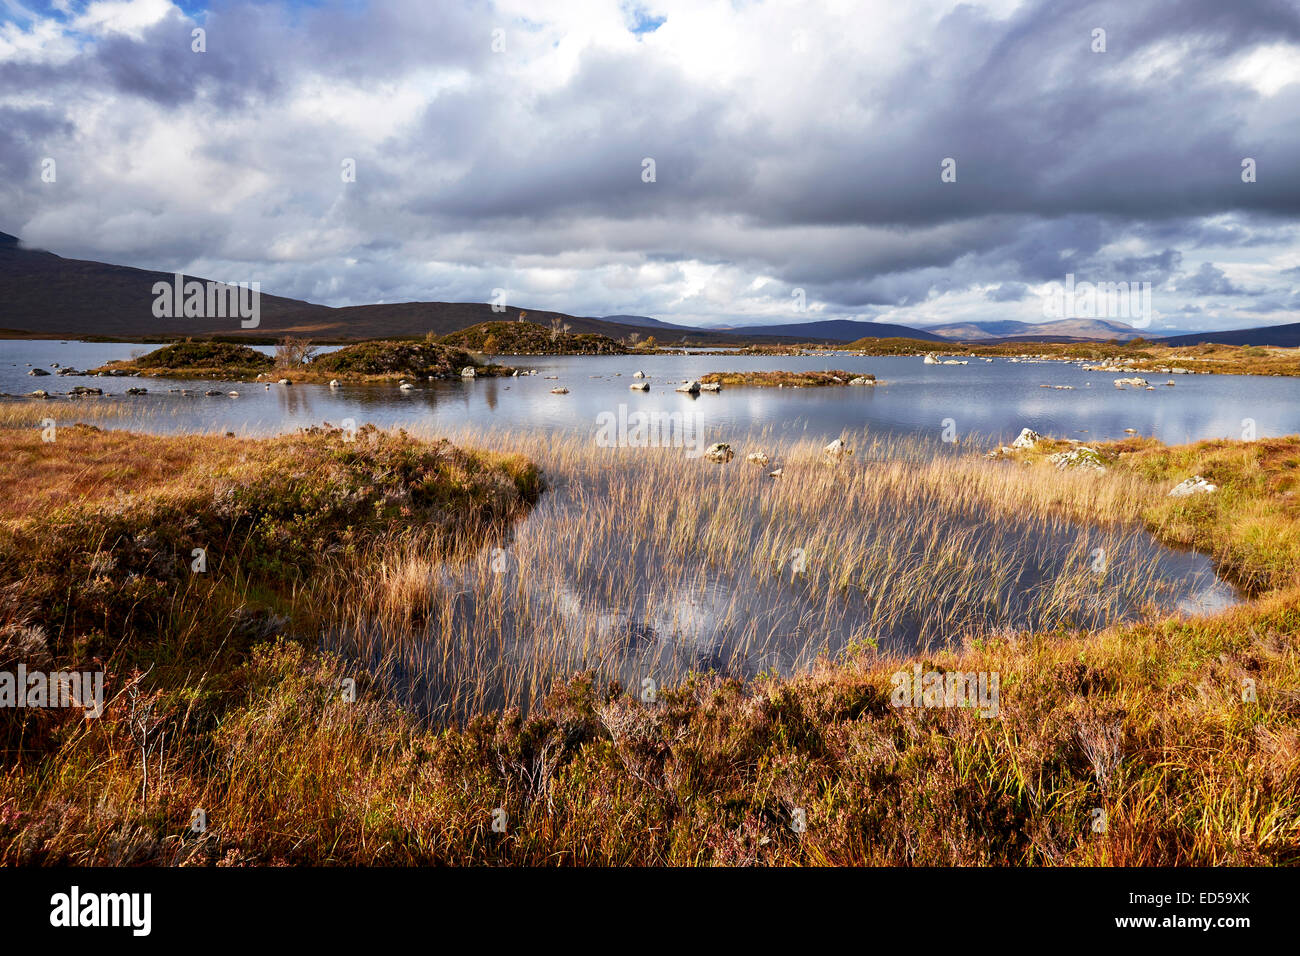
638, 374
719, 453
38, 372
1027, 438
640, 386
862, 380
711, 387
931, 359
468, 372
757, 458
285, 381
561, 390
1083, 457
837, 449
137, 391
1134, 381
691, 388
334, 382
1192, 486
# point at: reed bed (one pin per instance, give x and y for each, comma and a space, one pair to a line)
725, 569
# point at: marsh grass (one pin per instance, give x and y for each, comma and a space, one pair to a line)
1143, 718
725, 569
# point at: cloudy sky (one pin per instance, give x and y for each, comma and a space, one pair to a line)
794, 145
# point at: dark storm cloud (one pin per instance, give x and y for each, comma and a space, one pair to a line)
821, 172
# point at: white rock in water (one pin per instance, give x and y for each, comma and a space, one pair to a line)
285, 381
719, 453
1027, 438
930, 359
560, 391
1135, 382
640, 386
711, 387
638, 374
691, 388
334, 383
862, 380
406, 386
1192, 486
468, 372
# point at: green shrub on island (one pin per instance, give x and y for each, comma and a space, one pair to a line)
529, 338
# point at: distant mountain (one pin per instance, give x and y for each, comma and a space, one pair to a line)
1060, 330
45, 294
837, 330
1286, 336
644, 321
42, 292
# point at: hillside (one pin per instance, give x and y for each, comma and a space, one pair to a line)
529, 338
46, 295
1060, 330
1283, 336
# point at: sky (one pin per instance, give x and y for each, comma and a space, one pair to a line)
354, 152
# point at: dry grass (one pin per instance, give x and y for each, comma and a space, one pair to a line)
1145, 720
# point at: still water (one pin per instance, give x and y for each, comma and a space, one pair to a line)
644, 618
994, 399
